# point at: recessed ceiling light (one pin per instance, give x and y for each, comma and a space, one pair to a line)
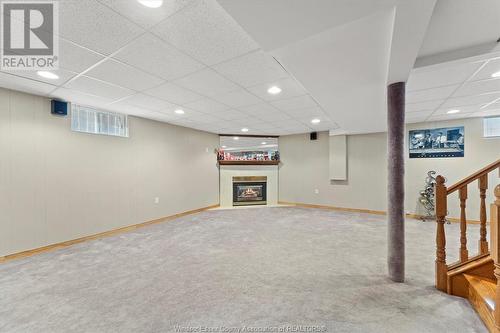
244, 129
236, 138
179, 111
151, 3
496, 74
453, 111
263, 143
48, 75
274, 90
316, 121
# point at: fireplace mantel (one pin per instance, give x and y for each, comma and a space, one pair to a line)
229, 162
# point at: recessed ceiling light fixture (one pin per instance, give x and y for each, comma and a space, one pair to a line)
236, 138
179, 111
263, 143
274, 90
316, 121
244, 129
48, 75
453, 111
496, 74
151, 3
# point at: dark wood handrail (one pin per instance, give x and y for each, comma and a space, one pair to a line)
475, 176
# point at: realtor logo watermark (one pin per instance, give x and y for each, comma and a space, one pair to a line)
29, 35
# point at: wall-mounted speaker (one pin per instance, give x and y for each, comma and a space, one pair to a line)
313, 136
59, 108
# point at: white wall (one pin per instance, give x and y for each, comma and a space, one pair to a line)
305, 168
57, 185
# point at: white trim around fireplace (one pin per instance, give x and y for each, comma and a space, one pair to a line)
227, 172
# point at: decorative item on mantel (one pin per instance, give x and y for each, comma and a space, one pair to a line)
258, 157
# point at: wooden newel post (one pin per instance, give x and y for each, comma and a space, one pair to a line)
441, 212
483, 186
495, 249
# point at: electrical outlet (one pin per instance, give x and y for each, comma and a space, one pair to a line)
157, 200
316, 191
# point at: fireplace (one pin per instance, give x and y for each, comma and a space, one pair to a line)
250, 190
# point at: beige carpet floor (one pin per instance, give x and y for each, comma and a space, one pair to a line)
227, 270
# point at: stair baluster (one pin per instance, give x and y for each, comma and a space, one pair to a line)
483, 186
464, 253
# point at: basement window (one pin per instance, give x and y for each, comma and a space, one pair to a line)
88, 120
491, 127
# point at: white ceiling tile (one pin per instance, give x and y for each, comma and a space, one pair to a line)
294, 103
173, 93
132, 110
77, 97
207, 105
448, 117
230, 114
414, 120
258, 109
206, 32
64, 76
289, 88
274, 117
252, 69
432, 105
430, 94
478, 87
144, 16
309, 113
76, 58
99, 88
124, 75
95, 26
323, 126
159, 59
239, 98
207, 82
486, 113
493, 66
290, 123
248, 122
203, 118
13, 82
463, 110
148, 102
471, 100
425, 78
418, 114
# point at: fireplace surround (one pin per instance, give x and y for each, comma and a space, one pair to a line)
249, 190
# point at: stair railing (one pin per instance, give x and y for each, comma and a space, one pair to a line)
495, 250
441, 195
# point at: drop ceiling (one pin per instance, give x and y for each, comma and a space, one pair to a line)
216, 61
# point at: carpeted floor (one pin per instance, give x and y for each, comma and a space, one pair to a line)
256, 268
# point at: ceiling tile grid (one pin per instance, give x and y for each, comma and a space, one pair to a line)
460, 89
188, 54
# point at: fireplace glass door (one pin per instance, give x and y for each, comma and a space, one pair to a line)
249, 193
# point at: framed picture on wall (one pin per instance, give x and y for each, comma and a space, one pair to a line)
437, 142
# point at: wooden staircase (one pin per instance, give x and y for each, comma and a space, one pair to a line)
477, 277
